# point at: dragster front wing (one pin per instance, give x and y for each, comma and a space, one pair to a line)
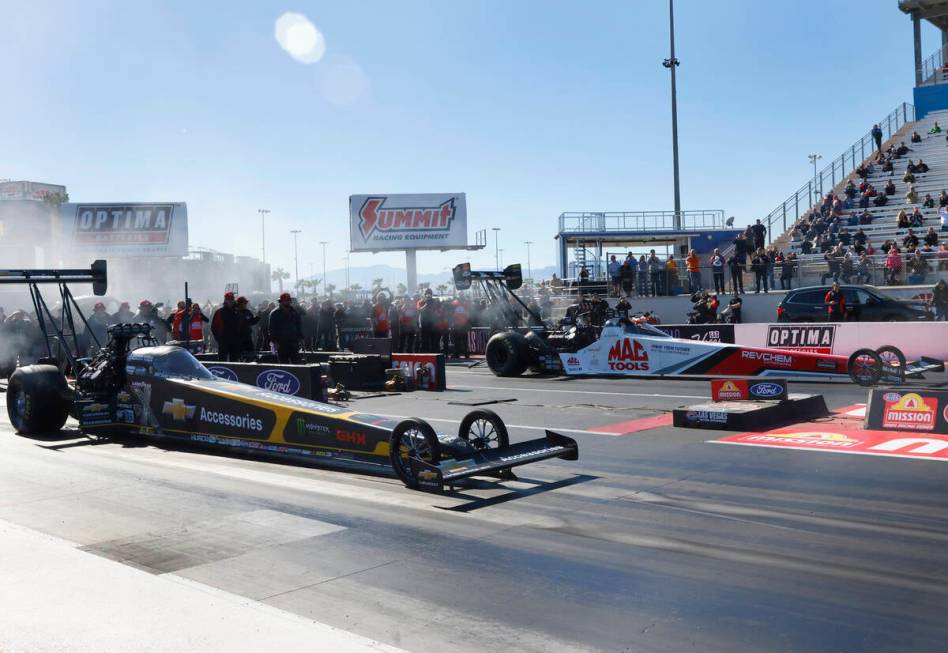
433, 477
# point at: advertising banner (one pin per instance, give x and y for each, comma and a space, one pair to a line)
299, 380
748, 389
423, 221
702, 332
922, 410
914, 339
149, 229
28, 190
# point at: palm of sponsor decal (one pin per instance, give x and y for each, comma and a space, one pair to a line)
178, 410
910, 411
373, 217
628, 354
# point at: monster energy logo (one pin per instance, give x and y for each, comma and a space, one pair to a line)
303, 427
300, 425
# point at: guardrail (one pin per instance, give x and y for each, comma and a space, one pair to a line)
810, 193
590, 222
932, 70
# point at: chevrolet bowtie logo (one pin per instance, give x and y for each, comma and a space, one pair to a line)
178, 410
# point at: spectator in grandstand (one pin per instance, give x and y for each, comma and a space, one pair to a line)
880, 200
909, 176
940, 300
864, 200
774, 259
694, 271
910, 168
929, 201
931, 237
893, 266
935, 129
844, 237
943, 216
847, 267
916, 138
671, 275
902, 149
863, 268
911, 196
741, 248
943, 199
942, 257
736, 267
615, 279
834, 261
917, 218
642, 278
887, 166
890, 188
902, 220
910, 241
850, 190
760, 234
655, 272
918, 267
877, 137
863, 170
717, 270
921, 167
865, 217
759, 268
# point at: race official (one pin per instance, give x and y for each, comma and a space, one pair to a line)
286, 330
190, 327
835, 302
226, 330
245, 322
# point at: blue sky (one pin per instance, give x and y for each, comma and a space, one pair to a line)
531, 108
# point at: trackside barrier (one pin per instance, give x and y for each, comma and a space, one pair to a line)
477, 339
307, 381
918, 410
432, 370
915, 339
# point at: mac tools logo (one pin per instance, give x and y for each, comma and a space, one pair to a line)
400, 223
628, 354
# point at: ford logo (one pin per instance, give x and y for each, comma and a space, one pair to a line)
222, 372
279, 381
766, 389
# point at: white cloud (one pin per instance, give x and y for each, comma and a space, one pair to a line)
344, 82
299, 37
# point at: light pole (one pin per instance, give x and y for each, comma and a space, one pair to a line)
500, 253
672, 63
496, 247
813, 159
324, 243
296, 258
263, 234
529, 271
347, 271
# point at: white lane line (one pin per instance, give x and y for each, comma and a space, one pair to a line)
509, 426
577, 392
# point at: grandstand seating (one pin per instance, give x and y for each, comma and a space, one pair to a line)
933, 150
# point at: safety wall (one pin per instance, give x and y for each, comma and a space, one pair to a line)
930, 98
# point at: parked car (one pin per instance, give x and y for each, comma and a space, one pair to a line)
863, 304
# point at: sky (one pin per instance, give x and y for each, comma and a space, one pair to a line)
532, 108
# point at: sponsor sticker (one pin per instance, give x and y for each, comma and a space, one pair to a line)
767, 390
178, 410
728, 390
706, 416
628, 355
222, 372
814, 338
769, 357
910, 411
351, 437
572, 361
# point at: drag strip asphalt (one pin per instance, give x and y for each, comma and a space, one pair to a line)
654, 540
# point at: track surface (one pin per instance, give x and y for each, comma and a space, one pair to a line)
653, 541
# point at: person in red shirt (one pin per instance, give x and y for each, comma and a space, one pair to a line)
835, 304
380, 320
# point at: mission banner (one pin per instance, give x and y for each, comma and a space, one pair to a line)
419, 221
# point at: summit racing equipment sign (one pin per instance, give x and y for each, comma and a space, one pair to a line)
128, 229
814, 338
425, 221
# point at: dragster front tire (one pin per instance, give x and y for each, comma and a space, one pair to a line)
507, 354
412, 437
37, 399
484, 430
893, 360
865, 367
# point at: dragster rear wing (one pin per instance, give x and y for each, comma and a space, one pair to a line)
512, 276
97, 275
433, 477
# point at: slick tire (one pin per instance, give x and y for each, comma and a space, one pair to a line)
484, 430
536, 346
37, 399
507, 354
893, 360
865, 367
412, 437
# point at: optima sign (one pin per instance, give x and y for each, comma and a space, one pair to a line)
425, 221
129, 229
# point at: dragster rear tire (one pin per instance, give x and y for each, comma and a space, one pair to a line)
410, 437
507, 354
37, 399
865, 367
484, 430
